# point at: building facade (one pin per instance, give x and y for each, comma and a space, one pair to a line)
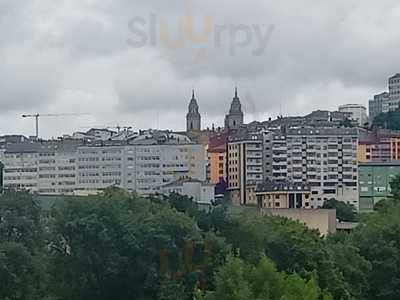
199, 191
143, 164
378, 105
324, 158
283, 194
374, 182
394, 92
245, 166
378, 145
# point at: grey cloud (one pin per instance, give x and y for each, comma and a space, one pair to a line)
320, 54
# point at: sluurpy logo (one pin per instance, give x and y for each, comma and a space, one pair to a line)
156, 31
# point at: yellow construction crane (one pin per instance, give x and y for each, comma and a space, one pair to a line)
37, 116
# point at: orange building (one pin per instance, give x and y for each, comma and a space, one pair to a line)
216, 171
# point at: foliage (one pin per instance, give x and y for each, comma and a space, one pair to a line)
120, 246
344, 212
238, 280
379, 242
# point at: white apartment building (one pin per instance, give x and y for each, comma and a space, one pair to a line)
357, 112
323, 158
143, 164
326, 159
47, 167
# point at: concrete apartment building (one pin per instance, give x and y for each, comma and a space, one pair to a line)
48, 167
378, 105
386, 101
323, 158
143, 164
374, 182
394, 92
245, 166
357, 112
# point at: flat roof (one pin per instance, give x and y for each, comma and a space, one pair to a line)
380, 163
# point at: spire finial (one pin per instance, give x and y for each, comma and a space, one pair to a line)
236, 92
193, 94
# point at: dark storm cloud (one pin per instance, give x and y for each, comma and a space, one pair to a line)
83, 55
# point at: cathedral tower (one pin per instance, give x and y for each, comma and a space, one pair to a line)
234, 119
193, 118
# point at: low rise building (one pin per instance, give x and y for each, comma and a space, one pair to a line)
323, 220
200, 191
283, 194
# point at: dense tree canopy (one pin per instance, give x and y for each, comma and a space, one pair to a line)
344, 212
120, 246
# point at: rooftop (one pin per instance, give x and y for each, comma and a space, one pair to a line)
281, 186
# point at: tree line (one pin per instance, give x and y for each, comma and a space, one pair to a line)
120, 246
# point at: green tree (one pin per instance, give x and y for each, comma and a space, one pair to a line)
291, 246
395, 188
238, 280
379, 242
123, 247
20, 220
344, 212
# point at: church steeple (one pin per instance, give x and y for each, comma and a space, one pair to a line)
193, 117
234, 119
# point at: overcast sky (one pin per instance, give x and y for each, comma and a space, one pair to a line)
135, 62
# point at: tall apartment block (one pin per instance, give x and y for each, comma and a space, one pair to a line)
326, 159
323, 158
394, 92
387, 101
378, 105
245, 166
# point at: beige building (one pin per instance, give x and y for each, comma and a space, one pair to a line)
283, 194
323, 220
